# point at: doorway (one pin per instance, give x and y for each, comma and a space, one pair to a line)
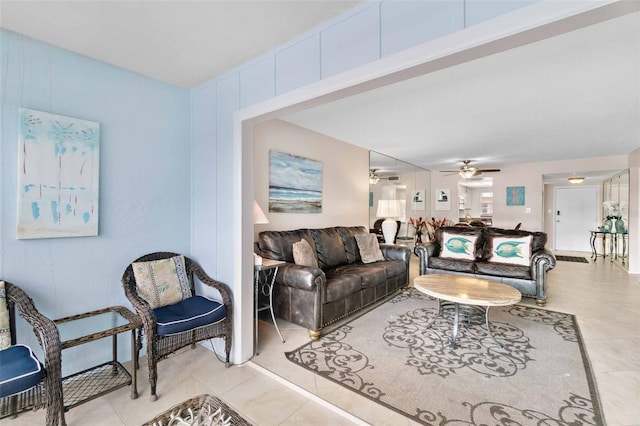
576, 213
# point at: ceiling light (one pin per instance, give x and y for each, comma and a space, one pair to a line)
467, 172
576, 179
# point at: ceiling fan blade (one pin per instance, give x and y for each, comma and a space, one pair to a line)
487, 170
448, 171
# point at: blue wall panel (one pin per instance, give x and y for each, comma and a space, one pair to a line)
228, 102
257, 82
204, 215
298, 65
477, 11
351, 43
405, 24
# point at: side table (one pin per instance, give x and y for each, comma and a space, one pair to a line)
96, 381
266, 288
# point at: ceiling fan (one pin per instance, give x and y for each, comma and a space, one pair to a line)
374, 177
467, 171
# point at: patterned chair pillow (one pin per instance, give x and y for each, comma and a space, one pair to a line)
162, 282
5, 330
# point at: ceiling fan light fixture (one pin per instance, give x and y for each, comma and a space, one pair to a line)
576, 179
373, 178
467, 172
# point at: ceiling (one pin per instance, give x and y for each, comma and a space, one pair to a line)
183, 43
575, 95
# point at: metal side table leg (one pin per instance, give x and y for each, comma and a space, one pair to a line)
273, 317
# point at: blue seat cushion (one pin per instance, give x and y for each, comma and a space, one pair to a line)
190, 313
20, 370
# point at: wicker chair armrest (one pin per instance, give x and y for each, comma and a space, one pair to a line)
142, 307
45, 330
224, 289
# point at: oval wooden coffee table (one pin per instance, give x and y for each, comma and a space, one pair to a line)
473, 293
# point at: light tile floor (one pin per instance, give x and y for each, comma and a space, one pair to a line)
269, 390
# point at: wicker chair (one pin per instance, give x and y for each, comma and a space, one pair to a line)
160, 344
48, 391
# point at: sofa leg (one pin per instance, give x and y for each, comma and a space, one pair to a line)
314, 335
541, 302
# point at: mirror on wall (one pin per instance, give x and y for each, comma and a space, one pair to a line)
615, 194
475, 200
392, 179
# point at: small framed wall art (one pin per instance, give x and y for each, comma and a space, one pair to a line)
515, 195
443, 199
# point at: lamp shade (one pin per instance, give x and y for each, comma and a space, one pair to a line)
389, 208
258, 214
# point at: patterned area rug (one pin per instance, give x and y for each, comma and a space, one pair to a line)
572, 259
540, 375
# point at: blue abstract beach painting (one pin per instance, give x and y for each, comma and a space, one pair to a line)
58, 176
295, 184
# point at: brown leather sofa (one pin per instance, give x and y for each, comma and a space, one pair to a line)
530, 280
342, 284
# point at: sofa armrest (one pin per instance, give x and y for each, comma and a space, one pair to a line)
395, 252
423, 251
542, 258
301, 277
541, 262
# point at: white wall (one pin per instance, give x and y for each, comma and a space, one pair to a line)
345, 169
529, 175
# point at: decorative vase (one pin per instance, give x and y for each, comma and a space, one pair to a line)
619, 226
607, 225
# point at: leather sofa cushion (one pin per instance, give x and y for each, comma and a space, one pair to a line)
329, 247
455, 265
371, 275
393, 268
278, 245
348, 234
503, 270
341, 285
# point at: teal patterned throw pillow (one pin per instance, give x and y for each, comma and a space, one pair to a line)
511, 250
458, 246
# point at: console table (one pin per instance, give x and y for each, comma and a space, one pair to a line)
101, 379
595, 235
266, 289
614, 239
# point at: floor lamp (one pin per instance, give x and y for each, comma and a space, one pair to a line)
389, 209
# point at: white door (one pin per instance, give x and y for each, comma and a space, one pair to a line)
576, 214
